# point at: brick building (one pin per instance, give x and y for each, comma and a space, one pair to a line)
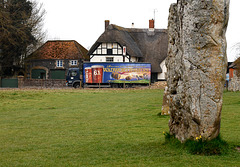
52, 59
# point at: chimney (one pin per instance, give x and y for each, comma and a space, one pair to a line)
107, 22
151, 24
133, 25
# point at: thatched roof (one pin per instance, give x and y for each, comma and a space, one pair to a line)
58, 49
235, 63
149, 46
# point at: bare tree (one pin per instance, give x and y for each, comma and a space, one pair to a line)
36, 24
236, 50
21, 23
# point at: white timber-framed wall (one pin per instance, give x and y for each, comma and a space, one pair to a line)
111, 52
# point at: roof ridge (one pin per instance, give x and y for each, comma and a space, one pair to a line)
135, 29
61, 41
60, 49
80, 47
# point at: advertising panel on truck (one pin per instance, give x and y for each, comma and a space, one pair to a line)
116, 73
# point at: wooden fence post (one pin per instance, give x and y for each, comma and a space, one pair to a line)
20, 81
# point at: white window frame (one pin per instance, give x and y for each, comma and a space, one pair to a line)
73, 62
59, 63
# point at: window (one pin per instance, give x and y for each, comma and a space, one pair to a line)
109, 45
104, 45
73, 73
99, 49
59, 63
119, 50
115, 45
109, 59
104, 51
108, 49
73, 62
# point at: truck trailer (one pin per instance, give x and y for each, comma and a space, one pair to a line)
110, 74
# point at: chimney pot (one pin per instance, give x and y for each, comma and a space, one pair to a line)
107, 22
151, 23
133, 25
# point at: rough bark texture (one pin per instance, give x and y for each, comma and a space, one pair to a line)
196, 66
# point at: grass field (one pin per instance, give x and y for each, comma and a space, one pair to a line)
100, 128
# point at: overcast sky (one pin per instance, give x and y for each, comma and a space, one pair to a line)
83, 20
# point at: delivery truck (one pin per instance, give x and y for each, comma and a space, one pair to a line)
110, 74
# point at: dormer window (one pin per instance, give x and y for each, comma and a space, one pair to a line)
108, 49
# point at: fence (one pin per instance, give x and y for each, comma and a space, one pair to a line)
21, 82
42, 83
9, 82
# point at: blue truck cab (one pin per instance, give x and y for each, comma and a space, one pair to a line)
73, 78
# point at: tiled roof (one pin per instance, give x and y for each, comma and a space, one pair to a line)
60, 50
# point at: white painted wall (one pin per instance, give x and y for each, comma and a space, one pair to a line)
162, 76
134, 59
101, 51
98, 59
103, 58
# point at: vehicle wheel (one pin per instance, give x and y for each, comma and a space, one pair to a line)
127, 86
76, 85
114, 85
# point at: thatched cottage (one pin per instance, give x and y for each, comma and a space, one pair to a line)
118, 44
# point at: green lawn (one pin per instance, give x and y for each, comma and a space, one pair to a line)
103, 127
